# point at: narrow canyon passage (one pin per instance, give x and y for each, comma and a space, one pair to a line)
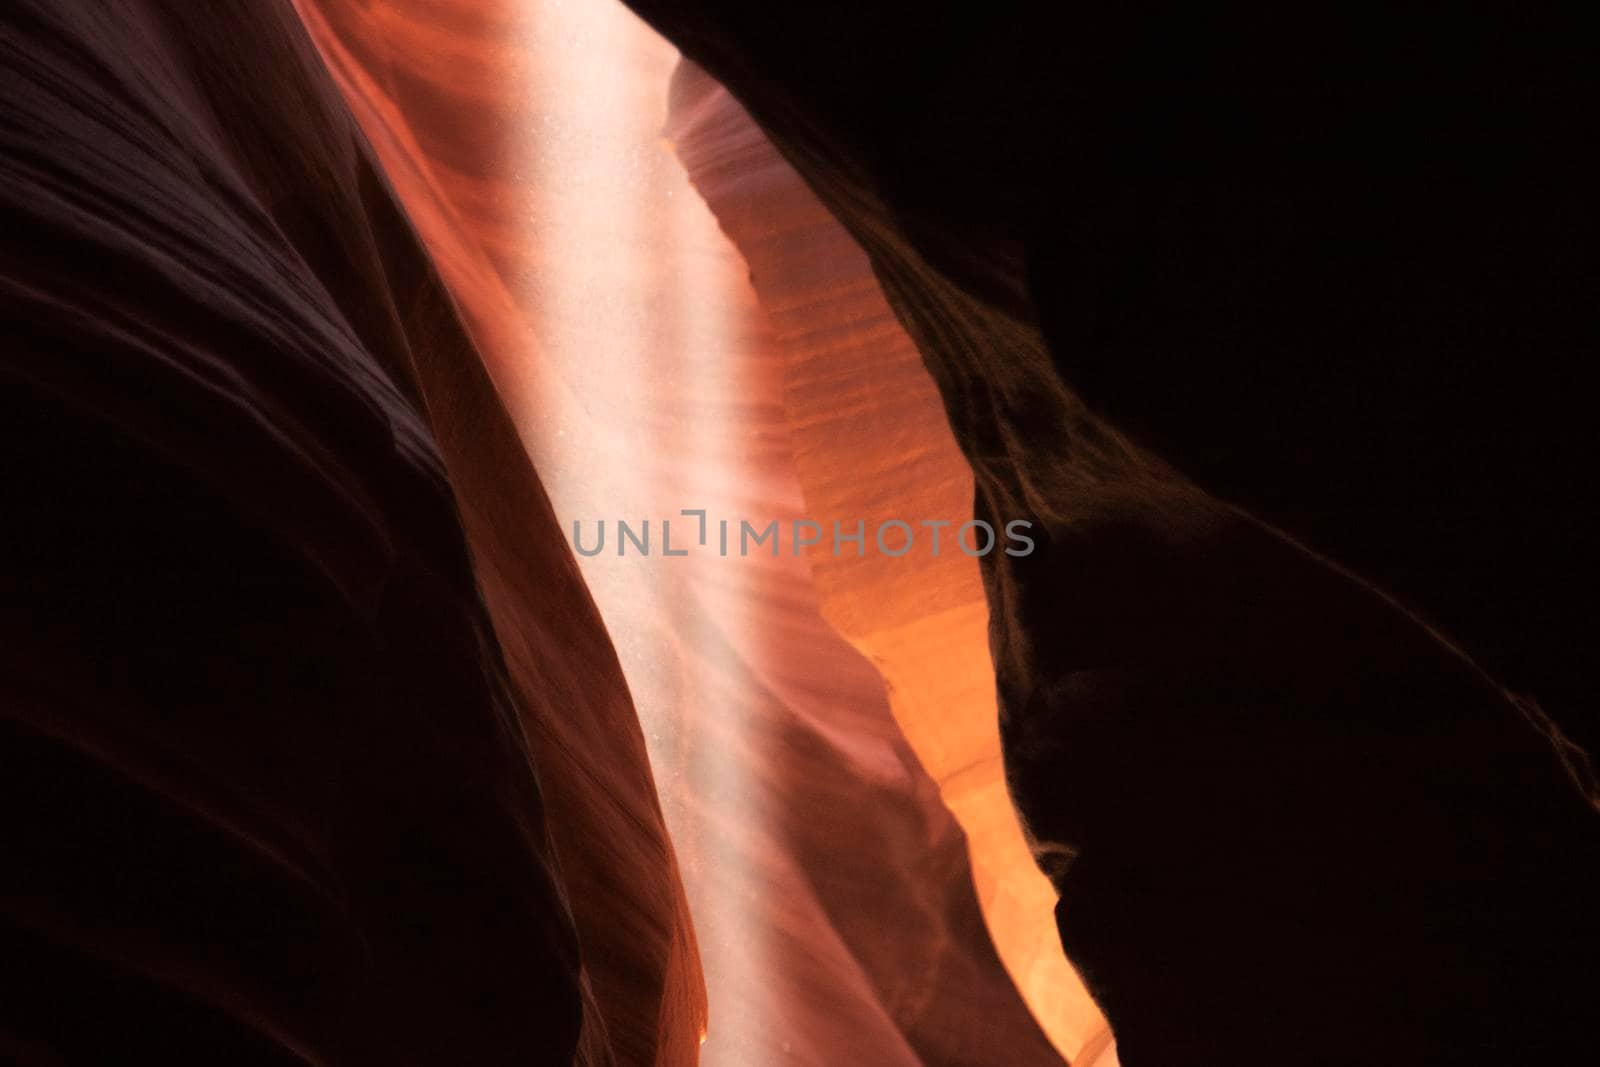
489, 521
830, 885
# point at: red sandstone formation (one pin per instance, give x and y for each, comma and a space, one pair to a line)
1197, 295
315, 746
831, 888
871, 441
834, 885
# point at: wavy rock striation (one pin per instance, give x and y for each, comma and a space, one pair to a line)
831, 889
289, 621
872, 445
1267, 367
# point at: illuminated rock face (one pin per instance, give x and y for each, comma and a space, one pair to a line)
444, 94
1186, 285
832, 891
315, 747
872, 444
267, 794
333, 756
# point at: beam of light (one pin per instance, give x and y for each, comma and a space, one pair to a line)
641, 304
622, 331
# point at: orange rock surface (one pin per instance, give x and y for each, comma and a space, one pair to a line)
872, 443
831, 887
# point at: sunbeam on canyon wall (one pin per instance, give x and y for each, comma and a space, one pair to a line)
655, 366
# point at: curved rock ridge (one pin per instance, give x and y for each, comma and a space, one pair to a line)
437, 93
831, 889
1197, 295
316, 749
872, 444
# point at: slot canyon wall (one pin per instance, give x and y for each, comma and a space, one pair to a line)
1268, 320
281, 653
837, 907
325, 322
835, 904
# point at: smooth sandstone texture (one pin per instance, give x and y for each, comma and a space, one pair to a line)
282, 654
832, 893
871, 445
316, 750
438, 90
1211, 294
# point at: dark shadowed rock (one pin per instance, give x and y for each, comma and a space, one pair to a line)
287, 619
1272, 325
